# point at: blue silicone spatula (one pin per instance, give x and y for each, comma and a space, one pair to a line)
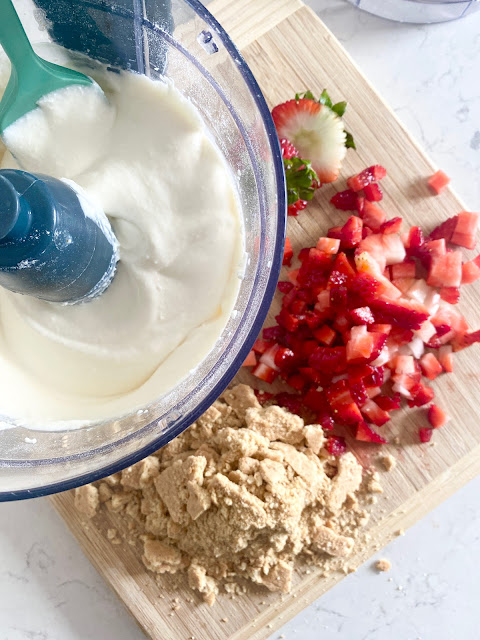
31, 77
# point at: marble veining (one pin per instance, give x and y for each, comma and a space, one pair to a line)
49, 590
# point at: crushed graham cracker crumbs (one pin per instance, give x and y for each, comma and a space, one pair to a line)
387, 461
383, 565
242, 494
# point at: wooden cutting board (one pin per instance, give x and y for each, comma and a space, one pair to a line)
289, 50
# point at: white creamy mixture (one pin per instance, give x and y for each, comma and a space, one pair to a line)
172, 204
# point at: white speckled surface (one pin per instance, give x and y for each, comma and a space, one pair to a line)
48, 589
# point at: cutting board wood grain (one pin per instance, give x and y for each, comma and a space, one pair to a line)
289, 50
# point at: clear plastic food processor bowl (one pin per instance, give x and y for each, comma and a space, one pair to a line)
178, 39
419, 11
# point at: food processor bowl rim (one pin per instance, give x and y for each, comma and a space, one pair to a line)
270, 287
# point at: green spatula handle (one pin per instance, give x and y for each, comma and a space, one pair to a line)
32, 77
13, 37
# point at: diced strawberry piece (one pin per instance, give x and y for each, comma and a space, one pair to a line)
342, 265
263, 396
394, 249
438, 182
260, 346
381, 328
430, 250
284, 358
441, 329
388, 403
295, 208
329, 359
298, 307
425, 434
287, 252
403, 270
403, 284
415, 239
362, 315
268, 356
284, 287
401, 336
314, 269
335, 232
360, 345
445, 357
366, 287
359, 392
465, 229
348, 414
373, 391
379, 341
326, 335
450, 294
365, 177
315, 400
404, 364
358, 372
421, 394
307, 348
264, 372
303, 254
323, 302
274, 334
375, 378
342, 323
470, 272
336, 446
444, 230
436, 416
466, 340
448, 315
373, 216
445, 270
287, 320
401, 313
345, 200
391, 226
293, 275
375, 414
339, 392
250, 360
328, 245
296, 381
385, 249
311, 375
289, 298
338, 296
364, 433
360, 206
372, 192
431, 367
290, 401
351, 232
426, 331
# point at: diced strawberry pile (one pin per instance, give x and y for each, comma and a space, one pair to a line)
368, 317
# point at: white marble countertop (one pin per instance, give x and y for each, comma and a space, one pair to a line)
49, 590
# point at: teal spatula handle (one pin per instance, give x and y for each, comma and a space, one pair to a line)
13, 37
32, 77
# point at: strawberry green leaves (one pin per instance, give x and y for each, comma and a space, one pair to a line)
302, 181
